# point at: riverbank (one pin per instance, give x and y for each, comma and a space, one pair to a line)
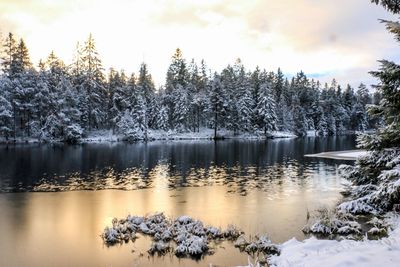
107, 136
101, 136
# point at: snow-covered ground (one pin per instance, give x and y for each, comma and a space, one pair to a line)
347, 253
108, 136
104, 136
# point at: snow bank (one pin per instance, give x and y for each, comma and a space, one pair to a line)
332, 253
204, 133
100, 136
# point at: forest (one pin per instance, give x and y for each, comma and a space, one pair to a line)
58, 101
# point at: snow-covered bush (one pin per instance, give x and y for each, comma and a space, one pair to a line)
328, 223
191, 237
73, 133
129, 127
260, 244
159, 247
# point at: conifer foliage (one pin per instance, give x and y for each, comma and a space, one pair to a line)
377, 175
58, 101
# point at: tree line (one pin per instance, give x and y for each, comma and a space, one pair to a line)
67, 102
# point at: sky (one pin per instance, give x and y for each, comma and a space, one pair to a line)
326, 39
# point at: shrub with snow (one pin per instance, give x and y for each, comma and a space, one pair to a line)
191, 237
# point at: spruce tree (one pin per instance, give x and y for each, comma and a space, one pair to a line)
266, 108
217, 104
5, 116
8, 55
377, 174
94, 84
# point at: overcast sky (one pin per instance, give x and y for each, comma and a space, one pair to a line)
324, 38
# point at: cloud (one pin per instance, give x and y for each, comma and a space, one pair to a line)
330, 38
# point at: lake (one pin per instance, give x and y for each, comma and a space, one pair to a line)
55, 200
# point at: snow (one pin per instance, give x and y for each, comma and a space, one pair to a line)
353, 154
107, 136
346, 253
345, 155
190, 236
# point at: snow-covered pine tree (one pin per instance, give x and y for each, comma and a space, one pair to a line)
378, 173
322, 126
181, 108
359, 121
299, 118
217, 104
6, 116
193, 88
266, 108
228, 82
93, 82
162, 121
278, 84
200, 98
42, 99
146, 88
7, 90
8, 55
162, 118
256, 79
244, 97
284, 115
116, 81
177, 78
24, 89
72, 130
21, 62
129, 126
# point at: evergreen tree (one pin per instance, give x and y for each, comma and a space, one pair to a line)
278, 84
145, 87
5, 117
181, 108
299, 118
322, 126
177, 72
229, 90
8, 57
376, 175
162, 121
177, 77
93, 84
243, 96
65, 103
21, 62
217, 104
266, 108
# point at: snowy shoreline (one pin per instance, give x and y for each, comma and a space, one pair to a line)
332, 253
106, 136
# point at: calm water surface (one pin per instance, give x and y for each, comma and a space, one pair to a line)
56, 200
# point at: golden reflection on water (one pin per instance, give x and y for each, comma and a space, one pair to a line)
237, 184
62, 229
